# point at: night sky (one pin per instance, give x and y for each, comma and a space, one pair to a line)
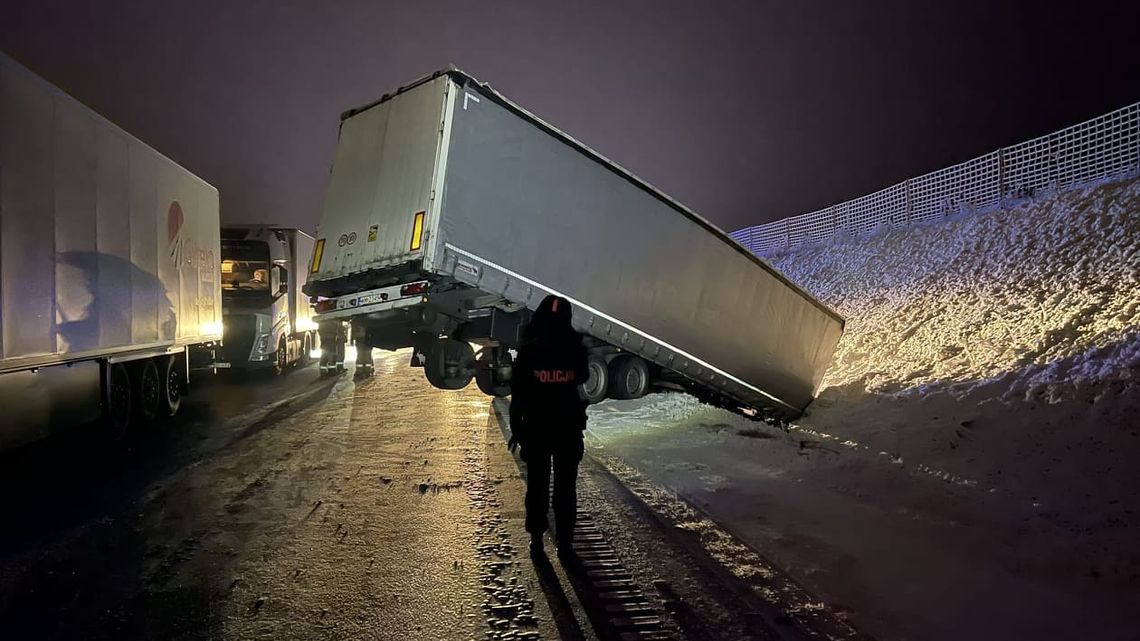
745, 111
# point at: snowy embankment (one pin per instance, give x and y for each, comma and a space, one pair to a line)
996, 350
969, 467
1043, 298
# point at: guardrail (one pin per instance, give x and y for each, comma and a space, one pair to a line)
1102, 148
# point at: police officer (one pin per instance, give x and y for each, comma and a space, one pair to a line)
548, 417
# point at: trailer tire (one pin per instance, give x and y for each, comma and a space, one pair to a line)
118, 403
487, 376
173, 384
629, 377
148, 390
450, 364
594, 389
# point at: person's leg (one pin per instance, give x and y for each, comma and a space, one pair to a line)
537, 489
566, 461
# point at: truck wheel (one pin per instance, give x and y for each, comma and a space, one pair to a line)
306, 347
594, 389
173, 384
450, 364
282, 358
117, 401
629, 377
488, 376
148, 388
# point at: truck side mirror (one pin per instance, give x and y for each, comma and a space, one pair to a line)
279, 279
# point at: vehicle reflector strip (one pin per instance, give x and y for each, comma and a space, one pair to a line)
418, 230
318, 253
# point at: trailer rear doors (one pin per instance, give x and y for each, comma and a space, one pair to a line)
378, 211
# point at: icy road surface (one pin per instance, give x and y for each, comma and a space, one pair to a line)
302, 508
905, 552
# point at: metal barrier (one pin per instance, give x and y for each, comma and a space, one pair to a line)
1102, 148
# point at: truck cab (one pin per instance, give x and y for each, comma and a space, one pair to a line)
266, 318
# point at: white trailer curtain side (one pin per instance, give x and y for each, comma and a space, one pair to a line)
517, 209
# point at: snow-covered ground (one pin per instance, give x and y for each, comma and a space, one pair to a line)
969, 468
1043, 298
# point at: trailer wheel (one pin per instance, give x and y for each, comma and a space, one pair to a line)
450, 364
629, 377
594, 389
148, 387
488, 373
173, 384
117, 401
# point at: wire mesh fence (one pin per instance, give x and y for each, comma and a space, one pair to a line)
1101, 148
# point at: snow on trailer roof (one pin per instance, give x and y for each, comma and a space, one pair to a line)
467, 81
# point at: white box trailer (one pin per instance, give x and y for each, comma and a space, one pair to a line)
108, 264
451, 212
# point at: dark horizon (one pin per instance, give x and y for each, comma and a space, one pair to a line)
746, 114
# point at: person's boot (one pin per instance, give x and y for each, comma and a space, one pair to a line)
566, 550
536, 547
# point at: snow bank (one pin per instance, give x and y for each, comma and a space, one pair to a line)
968, 470
1044, 297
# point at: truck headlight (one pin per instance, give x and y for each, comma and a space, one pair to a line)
262, 346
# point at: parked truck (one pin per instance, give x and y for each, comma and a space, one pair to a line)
108, 266
267, 318
452, 211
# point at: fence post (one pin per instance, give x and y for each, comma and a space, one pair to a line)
1054, 164
907, 212
1001, 176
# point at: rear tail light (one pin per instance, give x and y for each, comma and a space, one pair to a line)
413, 289
326, 305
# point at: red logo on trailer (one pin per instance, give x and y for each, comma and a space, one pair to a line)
174, 220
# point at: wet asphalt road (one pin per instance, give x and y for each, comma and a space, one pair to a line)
308, 508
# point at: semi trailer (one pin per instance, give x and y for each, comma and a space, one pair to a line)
452, 211
108, 267
267, 319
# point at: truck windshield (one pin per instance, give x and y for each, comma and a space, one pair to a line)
245, 267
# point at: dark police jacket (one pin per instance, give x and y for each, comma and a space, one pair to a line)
545, 405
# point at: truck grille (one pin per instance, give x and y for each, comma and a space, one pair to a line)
237, 337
